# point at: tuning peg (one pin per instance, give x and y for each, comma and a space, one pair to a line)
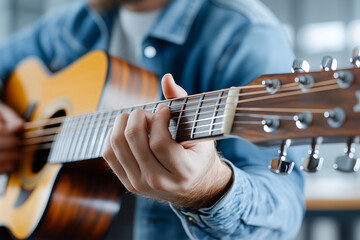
300, 66
303, 120
344, 78
328, 63
355, 59
313, 162
272, 85
270, 125
281, 165
348, 163
305, 82
335, 117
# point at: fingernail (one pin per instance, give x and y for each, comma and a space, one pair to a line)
171, 78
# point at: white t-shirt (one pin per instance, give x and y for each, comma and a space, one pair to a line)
129, 32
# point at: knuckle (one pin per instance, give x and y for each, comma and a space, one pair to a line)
115, 139
155, 182
156, 144
139, 186
131, 133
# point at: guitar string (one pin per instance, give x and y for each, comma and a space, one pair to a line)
46, 145
35, 133
259, 109
30, 134
58, 120
50, 138
54, 131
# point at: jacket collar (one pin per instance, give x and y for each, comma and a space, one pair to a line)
176, 20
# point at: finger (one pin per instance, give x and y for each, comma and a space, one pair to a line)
122, 150
110, 158
136, 134
170, 88
162, 145
8, 141
10, 121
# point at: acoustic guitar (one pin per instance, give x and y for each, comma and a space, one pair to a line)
62, 189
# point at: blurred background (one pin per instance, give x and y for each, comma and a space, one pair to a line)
315, 28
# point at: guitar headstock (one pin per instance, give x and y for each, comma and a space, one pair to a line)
303, 108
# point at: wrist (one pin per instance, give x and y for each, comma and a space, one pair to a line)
211, 189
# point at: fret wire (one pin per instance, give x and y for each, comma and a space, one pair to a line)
75, 139
88, 136
55, 151
155, 106
107, 128
103, 132
196, 116
96, 138
179, 119
171, 120
80, 144
215, 112
67, 138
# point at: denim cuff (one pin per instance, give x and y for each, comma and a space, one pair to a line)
223, 218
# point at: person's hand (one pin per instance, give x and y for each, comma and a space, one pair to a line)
141, 152
10, 125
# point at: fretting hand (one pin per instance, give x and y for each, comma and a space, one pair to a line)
10, 124
188, 174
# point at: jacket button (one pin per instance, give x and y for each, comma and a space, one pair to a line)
191, 219
150, 52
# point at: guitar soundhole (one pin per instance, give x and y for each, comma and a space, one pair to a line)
41, 155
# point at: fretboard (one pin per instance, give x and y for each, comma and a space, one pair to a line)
207, 115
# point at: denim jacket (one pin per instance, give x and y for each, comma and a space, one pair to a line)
206, 45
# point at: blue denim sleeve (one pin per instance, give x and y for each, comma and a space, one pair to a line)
259, 204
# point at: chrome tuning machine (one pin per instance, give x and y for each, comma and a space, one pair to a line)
335, 117
355, 59
281, 165
300, 66
312, 163
348, 163
303, 120
272, 85
328, 63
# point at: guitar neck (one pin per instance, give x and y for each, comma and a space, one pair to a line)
206, 115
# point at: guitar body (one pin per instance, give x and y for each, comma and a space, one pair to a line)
75, 200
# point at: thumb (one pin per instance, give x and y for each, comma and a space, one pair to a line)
170, 88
